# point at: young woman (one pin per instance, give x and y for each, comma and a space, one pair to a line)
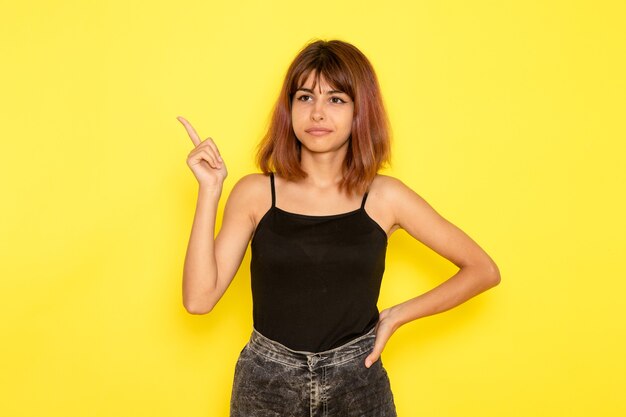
318, 219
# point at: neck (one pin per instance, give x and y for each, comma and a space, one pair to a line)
325, 170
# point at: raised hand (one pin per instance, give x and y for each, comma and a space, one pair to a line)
205, 160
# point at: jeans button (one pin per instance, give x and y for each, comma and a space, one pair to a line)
312, 360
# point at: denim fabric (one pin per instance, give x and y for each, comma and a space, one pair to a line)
273, 380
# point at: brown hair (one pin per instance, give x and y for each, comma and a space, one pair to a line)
345, 68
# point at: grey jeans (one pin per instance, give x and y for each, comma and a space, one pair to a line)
273, 380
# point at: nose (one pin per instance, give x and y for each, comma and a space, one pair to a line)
318, 111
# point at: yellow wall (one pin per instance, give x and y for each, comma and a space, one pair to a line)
508, 118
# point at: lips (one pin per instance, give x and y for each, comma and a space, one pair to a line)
318, 131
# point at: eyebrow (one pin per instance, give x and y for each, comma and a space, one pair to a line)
328, 92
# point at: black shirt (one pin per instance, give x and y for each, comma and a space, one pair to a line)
316, 279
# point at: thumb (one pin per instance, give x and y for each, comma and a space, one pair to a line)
375, 354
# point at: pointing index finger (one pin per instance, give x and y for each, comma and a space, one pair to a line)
190, 130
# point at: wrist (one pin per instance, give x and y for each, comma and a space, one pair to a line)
395, 316
210, 189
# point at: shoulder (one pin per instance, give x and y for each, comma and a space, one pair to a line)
251, 194
250, 187
388, 187
252, 182
397, 198
385, 195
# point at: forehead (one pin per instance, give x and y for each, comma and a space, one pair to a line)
312, 81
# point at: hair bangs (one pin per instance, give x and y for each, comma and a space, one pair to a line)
327, 67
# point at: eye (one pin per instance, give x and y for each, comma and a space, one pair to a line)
303, 97
337, 98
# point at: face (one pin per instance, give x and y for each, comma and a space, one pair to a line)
321, 116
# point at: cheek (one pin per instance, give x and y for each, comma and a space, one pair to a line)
348, 120
296, 118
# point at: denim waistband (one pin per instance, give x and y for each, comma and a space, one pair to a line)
280, 353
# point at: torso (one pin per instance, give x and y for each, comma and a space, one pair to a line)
315, 273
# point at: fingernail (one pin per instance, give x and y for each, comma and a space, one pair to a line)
219, 157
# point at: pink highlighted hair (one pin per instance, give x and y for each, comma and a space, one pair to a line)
345, 68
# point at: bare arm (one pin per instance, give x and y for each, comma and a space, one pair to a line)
477, 273
211, 263
200, 269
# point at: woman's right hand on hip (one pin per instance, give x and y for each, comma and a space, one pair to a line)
205, 160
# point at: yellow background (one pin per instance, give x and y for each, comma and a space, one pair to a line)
508, 117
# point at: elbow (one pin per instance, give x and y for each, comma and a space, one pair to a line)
197, 308
492, 275
197, 311
197, 301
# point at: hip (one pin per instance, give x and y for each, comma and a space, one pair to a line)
270, 378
